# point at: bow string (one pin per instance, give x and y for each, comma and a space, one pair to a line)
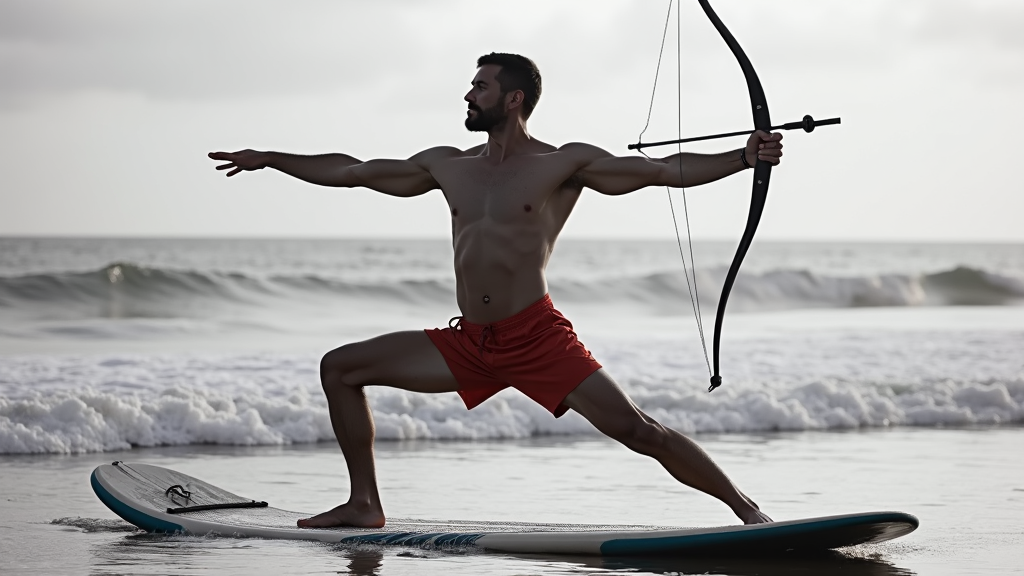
761, 178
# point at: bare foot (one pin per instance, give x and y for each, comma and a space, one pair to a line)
347, 514
751, 514
755, 516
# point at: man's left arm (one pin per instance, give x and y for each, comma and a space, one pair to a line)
615, 175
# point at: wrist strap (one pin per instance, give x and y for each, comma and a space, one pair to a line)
743, 158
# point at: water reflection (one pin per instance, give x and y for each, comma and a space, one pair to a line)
137, 551
364, 562
156, 554
781, 565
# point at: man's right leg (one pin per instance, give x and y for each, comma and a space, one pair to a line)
405, 360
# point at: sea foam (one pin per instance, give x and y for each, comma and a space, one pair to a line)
128, 403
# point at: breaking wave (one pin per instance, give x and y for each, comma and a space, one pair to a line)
127, 290
94, 421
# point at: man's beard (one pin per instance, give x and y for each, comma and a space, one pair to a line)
485, 119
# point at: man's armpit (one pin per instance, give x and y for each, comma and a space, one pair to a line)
574, 182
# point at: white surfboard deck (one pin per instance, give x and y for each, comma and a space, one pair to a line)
139, 494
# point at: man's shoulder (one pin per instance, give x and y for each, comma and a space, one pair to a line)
573, 146
430, 157
439, 153
583, 151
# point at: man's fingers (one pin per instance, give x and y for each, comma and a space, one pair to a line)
765, 136
234, 161
769, 149
772, 157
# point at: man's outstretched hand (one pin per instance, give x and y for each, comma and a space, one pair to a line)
764, 146
241, 160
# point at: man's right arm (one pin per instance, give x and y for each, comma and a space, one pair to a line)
394, 177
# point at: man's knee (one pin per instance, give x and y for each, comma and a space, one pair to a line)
342, 367
643, 435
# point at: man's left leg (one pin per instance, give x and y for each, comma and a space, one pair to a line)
600, 400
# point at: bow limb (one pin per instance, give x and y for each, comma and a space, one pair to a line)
762, 173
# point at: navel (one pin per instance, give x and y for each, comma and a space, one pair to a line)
527, 207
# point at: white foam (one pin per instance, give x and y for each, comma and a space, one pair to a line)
77, 404
95, 524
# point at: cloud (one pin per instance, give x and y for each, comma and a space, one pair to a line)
987, 23
235, 48
190, 49
113, 92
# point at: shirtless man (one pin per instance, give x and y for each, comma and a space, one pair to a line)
509, 199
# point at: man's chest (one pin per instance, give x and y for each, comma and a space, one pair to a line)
512, 191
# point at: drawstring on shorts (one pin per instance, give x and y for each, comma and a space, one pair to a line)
483, 336
456, 324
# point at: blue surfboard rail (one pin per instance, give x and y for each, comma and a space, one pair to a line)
818, 535
129, 514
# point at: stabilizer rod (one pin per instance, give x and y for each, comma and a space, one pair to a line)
807, 125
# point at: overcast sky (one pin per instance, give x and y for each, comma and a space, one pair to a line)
108, 108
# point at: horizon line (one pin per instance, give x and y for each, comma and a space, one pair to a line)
564, 238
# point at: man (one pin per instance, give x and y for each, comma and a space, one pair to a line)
509, 199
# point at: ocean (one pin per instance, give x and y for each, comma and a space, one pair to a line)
857, 376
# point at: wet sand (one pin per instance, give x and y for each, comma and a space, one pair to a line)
965, 485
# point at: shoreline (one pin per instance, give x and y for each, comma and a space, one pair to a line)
965, 500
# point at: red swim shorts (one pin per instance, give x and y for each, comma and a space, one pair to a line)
534, 351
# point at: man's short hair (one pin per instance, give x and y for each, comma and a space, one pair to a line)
517, 73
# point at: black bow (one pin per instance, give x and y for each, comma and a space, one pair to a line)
762, 169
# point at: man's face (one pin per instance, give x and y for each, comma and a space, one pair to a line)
485, 100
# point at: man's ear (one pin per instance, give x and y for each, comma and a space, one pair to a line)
515, 99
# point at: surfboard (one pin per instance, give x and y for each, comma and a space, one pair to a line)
162, 500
